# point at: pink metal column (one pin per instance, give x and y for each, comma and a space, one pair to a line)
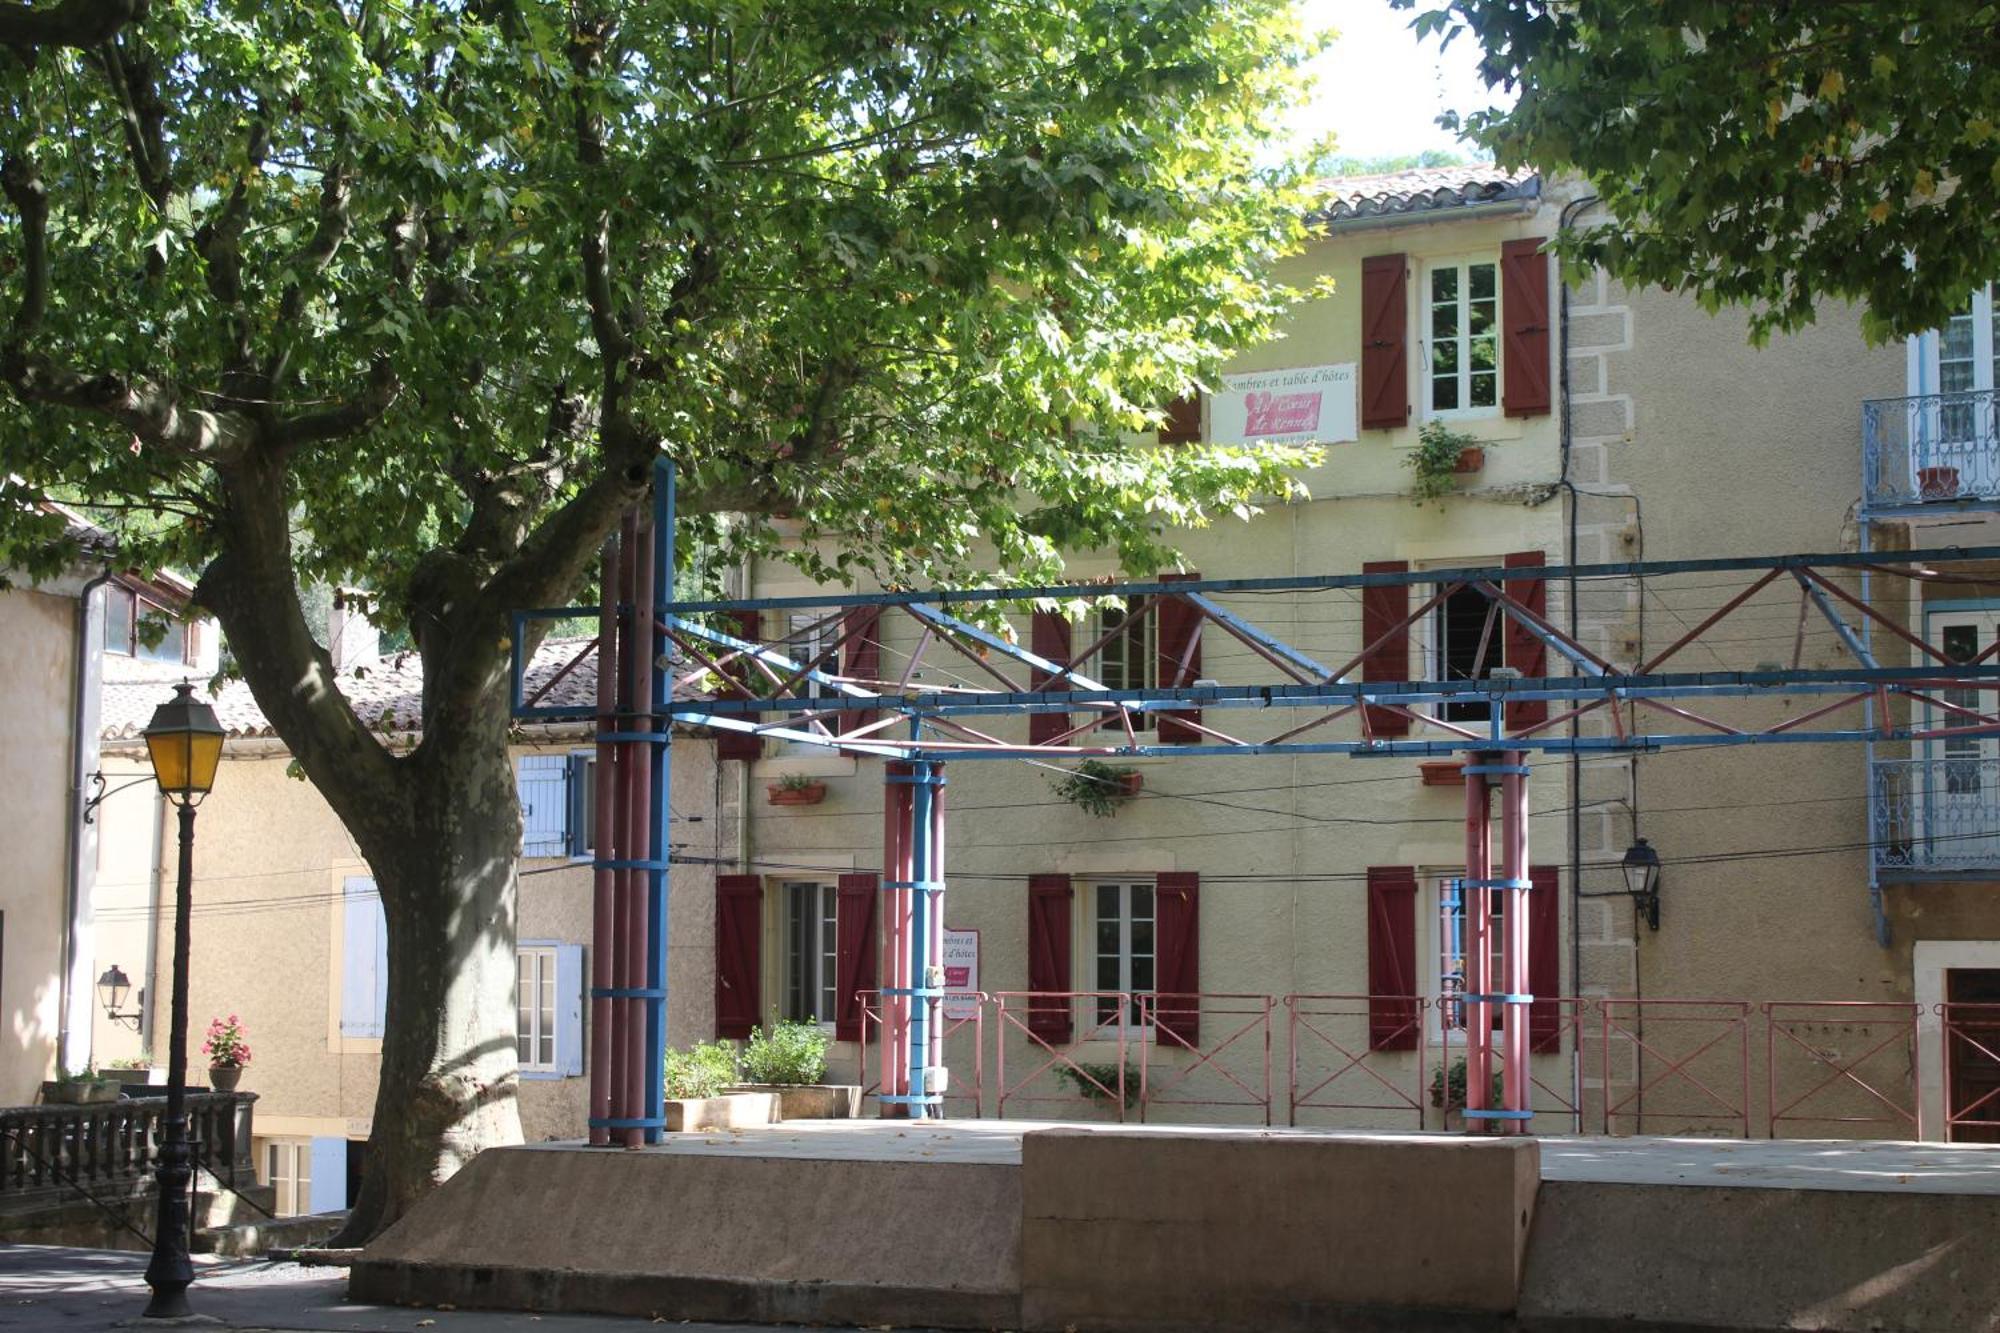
895, 968
1514, 943
934, 874
638, 764
603, 889
1475, 903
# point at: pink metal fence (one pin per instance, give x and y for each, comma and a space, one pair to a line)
1358, 1067
1108, 1020
871, 1019
1841, 1062
1700, 1057
1212, 1065
1971, 1038
1565, 1042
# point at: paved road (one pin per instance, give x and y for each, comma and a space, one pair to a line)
42, 1287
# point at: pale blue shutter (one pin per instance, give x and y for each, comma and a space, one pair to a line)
364, 962
544, 790
569, 1009
329, 1175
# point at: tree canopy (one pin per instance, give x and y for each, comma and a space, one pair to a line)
1760, 153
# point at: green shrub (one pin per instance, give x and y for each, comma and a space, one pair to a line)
703, 1071
1099, 1083
787, 1053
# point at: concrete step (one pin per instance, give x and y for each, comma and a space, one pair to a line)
252, 1238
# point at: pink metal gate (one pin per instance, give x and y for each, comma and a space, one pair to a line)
1316, 1019
1247, 1020
1841, 1062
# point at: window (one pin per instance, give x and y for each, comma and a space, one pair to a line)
1452, 935
118, 620
1462, 338
1124, 945
811, 952
535, 1008
1963, 750
287, 1168
558, 794
1132, 660
1464, 646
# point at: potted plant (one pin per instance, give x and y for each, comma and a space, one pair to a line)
1098, 788
227, 1052
797, 789
697, 1091
1099, 1082
135, 1073
788, 1060
85, 1087
1448, 1092
1937, 483
1442, 772
1441, 455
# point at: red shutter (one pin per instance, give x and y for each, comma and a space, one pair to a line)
1524, 318
1383, 611
1048, 955
1183, 420
1177, 905
1521, 647
1179, 635
1544, 959
854, 951
861, 657
1392, 958
1048, 636
1385, 372
737, 744
739, 961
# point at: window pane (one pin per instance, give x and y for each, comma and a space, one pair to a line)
1444, 359
1142, 973
1479, 320
829, 956
1484, 353
1444, 321
1481, 281
172, 646
1444, 284
117, 621
798, 951
1484, 389
1142, 938
1142, 901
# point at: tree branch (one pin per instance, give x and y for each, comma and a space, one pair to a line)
77, 23
21, 182
348, 418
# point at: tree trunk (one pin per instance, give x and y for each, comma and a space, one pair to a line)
449, 1076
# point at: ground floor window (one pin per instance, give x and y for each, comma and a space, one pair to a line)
811, 952
1123, 942
535, 1008
286, 1166
1453, 934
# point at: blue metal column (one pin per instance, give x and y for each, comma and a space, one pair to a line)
660, 822
920, 935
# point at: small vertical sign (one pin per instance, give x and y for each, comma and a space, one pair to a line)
961, 974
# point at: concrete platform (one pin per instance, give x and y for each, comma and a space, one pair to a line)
1047, 1225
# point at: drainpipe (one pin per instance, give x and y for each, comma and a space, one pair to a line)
1563, 224
743, 767
83, 716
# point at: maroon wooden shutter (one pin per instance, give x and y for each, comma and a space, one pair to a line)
861, 657
1522, 648
854, 951
1392, 958
737, 744
1048, 636
1383, 611
1385, 357
1177, 907
1183, 420
1524, 318
1544, 959
1048, 955
1179, 637
739, 955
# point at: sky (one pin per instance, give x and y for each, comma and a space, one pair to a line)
1380, 89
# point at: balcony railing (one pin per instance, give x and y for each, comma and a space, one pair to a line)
57, 1152
1935, 448
1937, 815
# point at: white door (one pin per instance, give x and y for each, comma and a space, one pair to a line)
1954, 437
1959, 791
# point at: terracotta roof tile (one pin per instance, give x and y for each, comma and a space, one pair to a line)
1423, 189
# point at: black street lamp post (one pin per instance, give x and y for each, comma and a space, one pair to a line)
184, 741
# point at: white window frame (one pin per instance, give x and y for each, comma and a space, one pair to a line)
293, 1186
820, 956
1926, 358
1464, 263
1099, 1022
1145, 641
544, 1027
1447, 1025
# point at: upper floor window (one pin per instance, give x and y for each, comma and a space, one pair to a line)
1465, 645
135, 627
1461, 370
1966, 357
1131, 660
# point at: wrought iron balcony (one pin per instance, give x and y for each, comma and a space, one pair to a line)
1930, 449
1937, 817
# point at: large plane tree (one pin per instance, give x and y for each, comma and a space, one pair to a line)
412, 295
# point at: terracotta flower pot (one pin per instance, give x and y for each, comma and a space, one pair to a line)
812, 793
1937, 483
1130, 784
1470, 459
224, 1078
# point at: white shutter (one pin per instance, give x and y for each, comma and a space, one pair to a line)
542, 780
364, 961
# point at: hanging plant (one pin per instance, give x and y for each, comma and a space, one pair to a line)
1438, 458
1098, 788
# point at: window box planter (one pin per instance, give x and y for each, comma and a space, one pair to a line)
1937, 483
732, 1110
809, 1101
1470, 459
1442, 773
81, 1092
796, 792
